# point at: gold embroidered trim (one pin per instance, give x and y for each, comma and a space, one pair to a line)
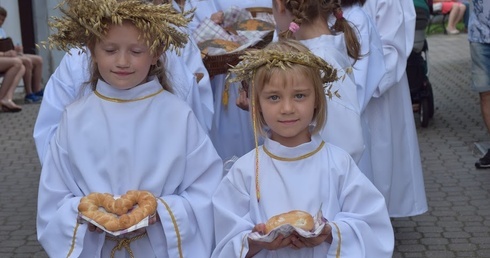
73, 240
307, 155
176, 227
126, 100
340, 240
124, 243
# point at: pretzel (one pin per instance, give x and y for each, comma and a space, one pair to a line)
120, 213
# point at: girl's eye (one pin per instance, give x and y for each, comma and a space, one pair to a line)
300, 96
274, 97
137, 52
110, 51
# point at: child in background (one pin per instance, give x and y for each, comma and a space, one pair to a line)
129, 133
295, 169
390, 113
33, 68
13, 70
306, 21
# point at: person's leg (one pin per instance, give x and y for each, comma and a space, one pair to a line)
485, 108
466, 16
27, 75
480, 82
13, 72
454, 14
37, 63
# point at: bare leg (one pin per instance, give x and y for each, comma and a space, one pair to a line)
28, 74
13, 71
37, 71
485, 108
455, 15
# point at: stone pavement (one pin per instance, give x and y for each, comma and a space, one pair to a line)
456, 225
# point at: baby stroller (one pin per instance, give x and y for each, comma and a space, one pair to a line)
417, 67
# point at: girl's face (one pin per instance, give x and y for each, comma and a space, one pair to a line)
287, 104
282, 16
122, 57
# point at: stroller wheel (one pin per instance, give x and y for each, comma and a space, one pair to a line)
424, 112
430, 98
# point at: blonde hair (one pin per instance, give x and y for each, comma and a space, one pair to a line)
84, 22
306, 11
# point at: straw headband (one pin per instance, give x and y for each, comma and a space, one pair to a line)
84, 19
253, 60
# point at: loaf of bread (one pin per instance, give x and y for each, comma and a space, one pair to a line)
254, 24
218, 43
120, 213
296, 218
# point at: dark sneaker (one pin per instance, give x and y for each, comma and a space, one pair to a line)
39, 93
31, 98
484, 162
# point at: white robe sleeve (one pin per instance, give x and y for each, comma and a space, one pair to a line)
62, 88
390, 19
57, 227
362, 228
187, 215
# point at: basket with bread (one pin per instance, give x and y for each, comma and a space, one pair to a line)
221, 45
118, 214
286, 223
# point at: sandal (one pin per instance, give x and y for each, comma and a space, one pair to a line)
9, 106
452, 32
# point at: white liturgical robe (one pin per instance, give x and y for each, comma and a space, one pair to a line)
343, 126
394, 144
153, 143
329, 179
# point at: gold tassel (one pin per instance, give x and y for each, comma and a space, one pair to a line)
225, 96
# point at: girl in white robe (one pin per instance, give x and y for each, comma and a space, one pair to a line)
343, 128
231, 133
368, 71
129, 133
296, 170
68, 83
394, 144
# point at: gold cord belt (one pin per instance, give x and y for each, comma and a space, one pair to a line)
123, 243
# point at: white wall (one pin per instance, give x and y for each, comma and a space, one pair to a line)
12, 23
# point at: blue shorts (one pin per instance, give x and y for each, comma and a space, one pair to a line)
480, 66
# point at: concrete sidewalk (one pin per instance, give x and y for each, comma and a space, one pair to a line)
456, 225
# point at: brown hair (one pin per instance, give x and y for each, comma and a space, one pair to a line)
3, 12
157, 70
264, 74
305, 11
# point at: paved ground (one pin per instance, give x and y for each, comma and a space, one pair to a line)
456, 225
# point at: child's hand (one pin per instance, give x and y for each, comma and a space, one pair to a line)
19, 49
298, 242
218, 17
257, 246
242, 100
92, 228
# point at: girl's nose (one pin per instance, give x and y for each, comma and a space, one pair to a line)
287, 106
122, 60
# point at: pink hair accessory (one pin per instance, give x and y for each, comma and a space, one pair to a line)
293, 27
339, 14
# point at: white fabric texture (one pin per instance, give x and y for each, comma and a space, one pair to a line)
394, 144
154, 144
68, 83
328, 179
343, 127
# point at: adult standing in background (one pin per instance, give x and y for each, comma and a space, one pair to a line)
479, 37
391, 112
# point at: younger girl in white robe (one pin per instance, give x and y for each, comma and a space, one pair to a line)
129, 133
295, 169
307, 21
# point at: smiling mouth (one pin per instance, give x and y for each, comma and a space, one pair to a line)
288, 121
122, 73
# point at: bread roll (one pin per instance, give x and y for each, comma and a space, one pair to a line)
296, 218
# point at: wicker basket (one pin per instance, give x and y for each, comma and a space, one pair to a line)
221, 63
